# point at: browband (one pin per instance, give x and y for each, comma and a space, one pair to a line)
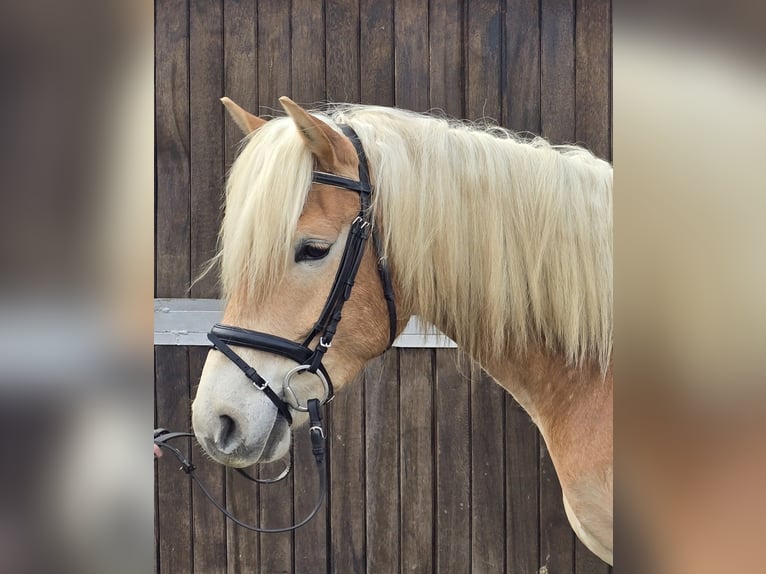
340, 181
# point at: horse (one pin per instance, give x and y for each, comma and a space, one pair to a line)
501, 242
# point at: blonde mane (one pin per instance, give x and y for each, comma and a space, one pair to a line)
497, 241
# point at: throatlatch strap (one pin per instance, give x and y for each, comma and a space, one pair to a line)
383, 271
259, 382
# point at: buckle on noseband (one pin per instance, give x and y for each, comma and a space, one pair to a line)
292, 399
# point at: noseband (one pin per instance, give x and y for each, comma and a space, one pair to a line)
308, 360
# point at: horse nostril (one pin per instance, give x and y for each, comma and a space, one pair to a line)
228, 436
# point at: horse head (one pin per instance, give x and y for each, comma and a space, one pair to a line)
283, 240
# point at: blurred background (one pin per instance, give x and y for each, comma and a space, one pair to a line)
76, 287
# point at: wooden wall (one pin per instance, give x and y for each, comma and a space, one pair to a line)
433, 468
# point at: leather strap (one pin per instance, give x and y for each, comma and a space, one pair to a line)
259, 382
340, 181
383, 271
163, 436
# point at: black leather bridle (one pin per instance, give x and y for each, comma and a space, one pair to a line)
308, 360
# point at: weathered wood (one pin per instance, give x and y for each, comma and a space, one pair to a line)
446, 81
558, 124
488, 539
273, 82
484, 47
557, 70
308, 60
240, 72
311, 543
588, 563
483, 101
483, 60
521, 112
522, 489
342, 50
207, 149
209, 525
376, 47
593, 43
273, 54
453, 463
240, 65
556, 536
276, 502
347, 479
174, 509
416, 389
381, 384
520, 76
411, 77
242, 546
172, 149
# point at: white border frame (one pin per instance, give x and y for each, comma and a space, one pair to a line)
186, 322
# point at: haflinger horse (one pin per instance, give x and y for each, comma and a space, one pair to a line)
503, 244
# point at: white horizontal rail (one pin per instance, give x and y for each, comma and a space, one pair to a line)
187, 321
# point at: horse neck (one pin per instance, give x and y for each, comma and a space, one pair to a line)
572, 406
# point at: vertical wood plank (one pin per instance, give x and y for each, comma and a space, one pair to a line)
588, 563
521, 112
240, 65
240, 84
522, 486
206, 150
274, 61
594, 76
381, 384
342, 50
483, 59
556, 536
243, 546
417, 480
172, 148
276, 501
308, 52
453, 463
312, 541
557, 62
487, 474
521, 69
274, 74
174, 487
347, 458
411, 56
209, 525
483, 100
347, 476
377, 51
446, 80
557, 110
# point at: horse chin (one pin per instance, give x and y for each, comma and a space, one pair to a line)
276, 446
278, 443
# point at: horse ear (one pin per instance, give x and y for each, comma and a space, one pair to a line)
329, 147
246, 121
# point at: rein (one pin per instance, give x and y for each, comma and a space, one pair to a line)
309, 360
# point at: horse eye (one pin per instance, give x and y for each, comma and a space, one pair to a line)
311, 252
